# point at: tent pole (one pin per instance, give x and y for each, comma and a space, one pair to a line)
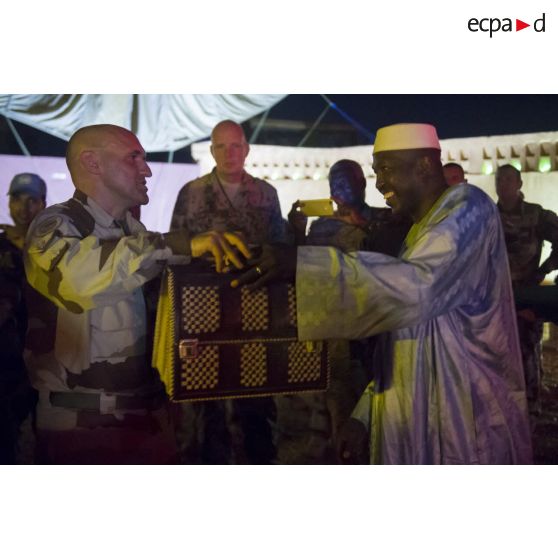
349, 119
258, 128
314, 126
20, 142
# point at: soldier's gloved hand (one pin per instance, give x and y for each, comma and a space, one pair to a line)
277, 261
224, 247
352, 443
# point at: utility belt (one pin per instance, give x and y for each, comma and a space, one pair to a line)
106, 403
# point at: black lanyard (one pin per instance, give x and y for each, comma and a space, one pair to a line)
225, 193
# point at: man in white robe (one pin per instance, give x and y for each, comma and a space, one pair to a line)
448, 382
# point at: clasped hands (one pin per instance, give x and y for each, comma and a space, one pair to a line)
277, 261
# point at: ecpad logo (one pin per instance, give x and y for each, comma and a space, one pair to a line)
494, 24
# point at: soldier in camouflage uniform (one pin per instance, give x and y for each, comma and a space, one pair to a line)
229, 199
526, 227
309, 424
88, 259
27, 198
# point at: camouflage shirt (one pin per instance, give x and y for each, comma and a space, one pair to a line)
87, 327
331, 232
13, 318
12, 273
202, 205
384, 232
526, 227
11, 261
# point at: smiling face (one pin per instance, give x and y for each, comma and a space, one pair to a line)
24, 208
123, 169
399, 182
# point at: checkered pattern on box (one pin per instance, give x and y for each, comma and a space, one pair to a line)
303, 365
253, 365
291, 295
201, 312
255, 309
201, 372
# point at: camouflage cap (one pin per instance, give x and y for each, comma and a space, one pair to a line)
27, 183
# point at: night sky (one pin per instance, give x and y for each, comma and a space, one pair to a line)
453, 115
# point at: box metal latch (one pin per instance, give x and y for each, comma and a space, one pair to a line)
188, 349
313, 346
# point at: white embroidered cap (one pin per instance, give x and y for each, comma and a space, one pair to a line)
406, 136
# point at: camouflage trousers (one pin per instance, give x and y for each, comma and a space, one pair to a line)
530, 340
304, 430
308, 424
15, 411
229, 432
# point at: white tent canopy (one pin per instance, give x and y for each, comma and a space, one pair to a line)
162, 122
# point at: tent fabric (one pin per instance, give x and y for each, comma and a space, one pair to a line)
162, 122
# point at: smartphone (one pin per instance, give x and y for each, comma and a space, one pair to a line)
317, 208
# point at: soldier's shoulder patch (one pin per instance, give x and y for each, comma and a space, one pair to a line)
47, 226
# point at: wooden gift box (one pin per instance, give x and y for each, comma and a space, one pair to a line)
216, 342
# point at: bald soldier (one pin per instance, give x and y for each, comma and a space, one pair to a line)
448, 384
99, 399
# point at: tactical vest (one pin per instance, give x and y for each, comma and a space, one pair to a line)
133, 373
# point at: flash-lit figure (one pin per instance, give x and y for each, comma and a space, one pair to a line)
88, 259
526, 227
448, 383
27, 198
